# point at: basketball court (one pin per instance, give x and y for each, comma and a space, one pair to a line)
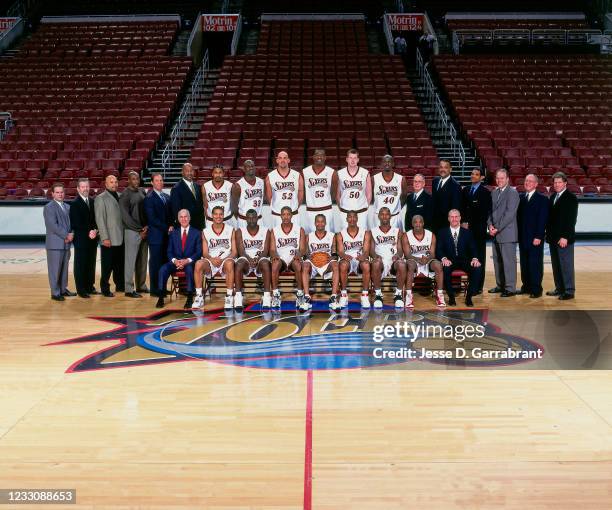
139, 408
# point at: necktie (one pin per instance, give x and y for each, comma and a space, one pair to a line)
473, 191
456, 240
439, 184
556, 198
184, 239
528, 197
192, 188
163, 199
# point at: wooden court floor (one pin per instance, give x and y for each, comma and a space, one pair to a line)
216, 436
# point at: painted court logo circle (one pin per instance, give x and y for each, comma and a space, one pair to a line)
292, 341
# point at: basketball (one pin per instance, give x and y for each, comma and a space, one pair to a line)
319, 259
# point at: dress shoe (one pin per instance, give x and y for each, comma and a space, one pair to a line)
566, 296
108, 293
535, 295
160, 302
84, 295
144, 290
58, 298
94, 292
507, 293
67, 293
468, 301
132, 294
495, 290
189, 302
554, 293
520, 292
451, 301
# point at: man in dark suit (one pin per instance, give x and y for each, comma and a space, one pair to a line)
561, 235
532, 218
456, 249
159, 219
419, 202
83, 221
184, 249
446, 195
186, 194
475, 210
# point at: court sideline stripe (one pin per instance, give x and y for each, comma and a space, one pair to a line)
308, 444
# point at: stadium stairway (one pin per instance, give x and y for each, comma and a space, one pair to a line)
180, 46
440, 141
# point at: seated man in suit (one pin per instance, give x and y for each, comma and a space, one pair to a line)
184, 249
456, 250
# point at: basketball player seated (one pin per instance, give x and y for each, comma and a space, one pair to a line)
353, 245
253, 245
387, 258
287, 246
321, 248
419, 247
218, 254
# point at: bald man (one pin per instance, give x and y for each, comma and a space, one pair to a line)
186, 194
284, 187
110, 229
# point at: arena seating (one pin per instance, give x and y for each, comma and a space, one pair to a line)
88, 100
310, 85
536, 114
515, 24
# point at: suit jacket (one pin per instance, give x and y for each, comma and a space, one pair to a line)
181, 197
423, 206
82, 218
532, 217
57, 225
108, 218
562, 218
193, 245
475, 210
159, 217
466, 247
444, 199
503, 214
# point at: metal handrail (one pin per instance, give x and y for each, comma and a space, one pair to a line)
177, 135
434, 102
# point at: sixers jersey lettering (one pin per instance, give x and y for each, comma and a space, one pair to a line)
353, 189
287, 245
219, 245
218, 197
387, 194
251, 196
385, 243
353, 245
323, 244
253, 244
284, 190
318, 186
420, 248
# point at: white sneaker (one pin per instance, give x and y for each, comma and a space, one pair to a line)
229, 302
398, 301
266, 302
365, 301
343, 300
440, 299
378, 301
198, 301
409, 303
334, 304
238, 301
305, 303
276, 300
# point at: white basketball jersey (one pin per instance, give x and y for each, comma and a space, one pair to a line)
318, 186
219, 245
387, 194
420, 248
323, 244
353, 246
353, 189
218, 197
287, 245
251, 197
254, 244
284, 190
385, 243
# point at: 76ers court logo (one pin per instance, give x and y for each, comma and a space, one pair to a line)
288, 340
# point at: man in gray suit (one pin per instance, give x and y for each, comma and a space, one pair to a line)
110, 229
504, 231
59, 238
131, 203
